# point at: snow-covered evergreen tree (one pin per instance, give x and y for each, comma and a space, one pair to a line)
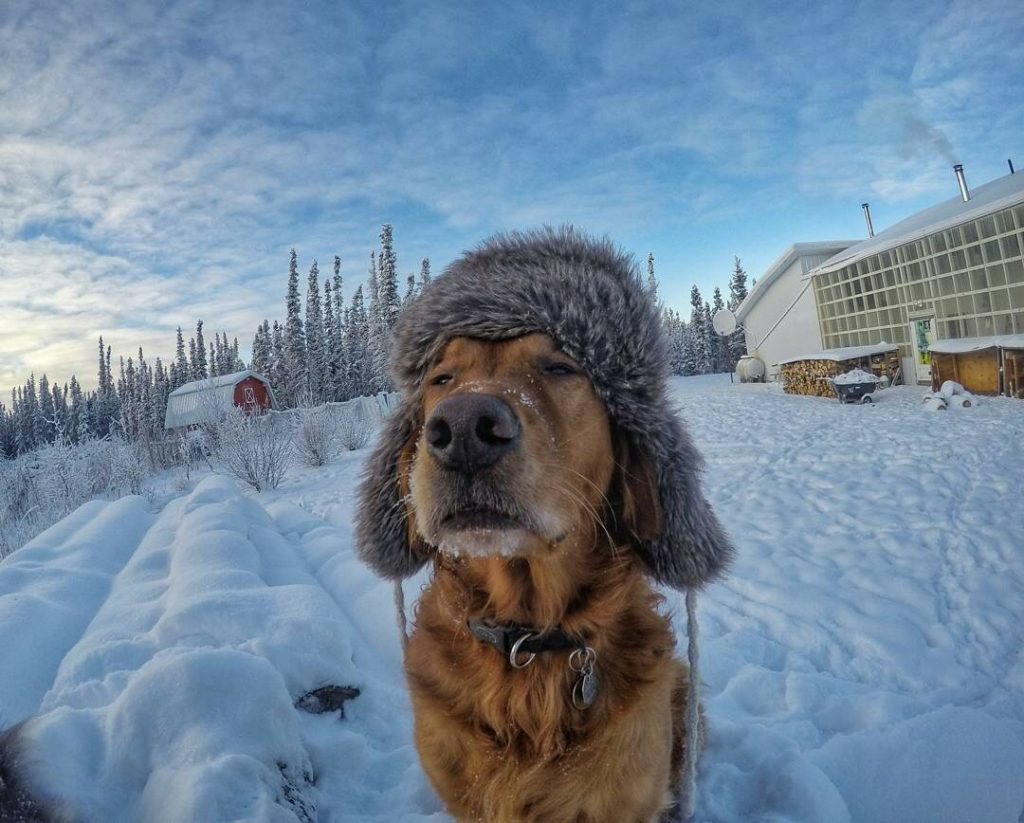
721, 344
410, 291
316, 359
652, 281
294, 339
180, 369
278, 376
698, 334
737, 294
424, 273
261, 353
360, 365
201, 371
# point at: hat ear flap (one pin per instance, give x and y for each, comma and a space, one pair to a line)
639, 514
689, 548
386, 538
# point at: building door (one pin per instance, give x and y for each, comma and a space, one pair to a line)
922, 335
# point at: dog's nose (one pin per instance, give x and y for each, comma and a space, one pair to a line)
467, 432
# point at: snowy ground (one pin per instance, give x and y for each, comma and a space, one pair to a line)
864, 661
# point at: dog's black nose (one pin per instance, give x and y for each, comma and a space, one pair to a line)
467, 432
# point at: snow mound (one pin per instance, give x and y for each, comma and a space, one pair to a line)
855, 376
174, 696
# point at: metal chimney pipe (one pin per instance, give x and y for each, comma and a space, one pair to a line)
867, 219
1009, 161
958, 169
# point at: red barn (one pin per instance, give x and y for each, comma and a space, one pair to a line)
206, 401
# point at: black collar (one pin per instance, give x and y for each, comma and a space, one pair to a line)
503, 636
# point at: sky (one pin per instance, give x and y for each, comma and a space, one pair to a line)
159, 160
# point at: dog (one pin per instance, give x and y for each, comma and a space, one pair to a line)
536, 464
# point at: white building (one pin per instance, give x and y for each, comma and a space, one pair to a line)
952, 271
779, 314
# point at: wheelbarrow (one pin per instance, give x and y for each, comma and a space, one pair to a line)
855, 386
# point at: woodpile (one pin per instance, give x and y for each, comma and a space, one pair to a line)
812, 377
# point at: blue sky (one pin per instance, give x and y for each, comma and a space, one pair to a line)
158, 160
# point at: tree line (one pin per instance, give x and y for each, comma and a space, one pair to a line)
694, 346
325, 350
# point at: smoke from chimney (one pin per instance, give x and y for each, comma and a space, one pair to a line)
958, 170
867, 219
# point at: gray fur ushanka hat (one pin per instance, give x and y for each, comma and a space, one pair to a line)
587, 295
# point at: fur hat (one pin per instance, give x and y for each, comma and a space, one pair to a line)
587, 295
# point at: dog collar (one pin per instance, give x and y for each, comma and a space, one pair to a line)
509, 637
521, 644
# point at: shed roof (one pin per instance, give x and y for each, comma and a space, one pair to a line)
991, 197
961, 345
204, 401
783, 262
850, 353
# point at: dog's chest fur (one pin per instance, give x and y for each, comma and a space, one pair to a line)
502, 744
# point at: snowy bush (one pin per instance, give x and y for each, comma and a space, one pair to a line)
46, 485
255, 448
315, 435
353, 431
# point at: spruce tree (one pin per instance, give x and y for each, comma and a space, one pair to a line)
737, 294
47, 424
180, 370
357, 345
315, 355
721, 344
652, 282
294, 339
202, 370
410, 291
424, 273
278, 364
698, 334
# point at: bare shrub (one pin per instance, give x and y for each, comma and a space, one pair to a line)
353, 430
255, 448
315, 435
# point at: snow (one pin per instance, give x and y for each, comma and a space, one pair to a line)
841, 355
855, 376
968, 344
862, 662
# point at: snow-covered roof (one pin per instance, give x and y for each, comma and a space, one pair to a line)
849, 353
966, 344
986, 199
203, 401
825, 248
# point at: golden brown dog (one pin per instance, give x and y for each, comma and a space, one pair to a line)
536, 503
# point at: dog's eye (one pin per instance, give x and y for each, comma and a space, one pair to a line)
441, 379
559, 369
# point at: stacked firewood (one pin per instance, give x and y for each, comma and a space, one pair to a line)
810, 377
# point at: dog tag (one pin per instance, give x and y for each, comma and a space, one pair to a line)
584, 693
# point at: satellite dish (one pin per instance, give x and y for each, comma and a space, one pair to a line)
724, 322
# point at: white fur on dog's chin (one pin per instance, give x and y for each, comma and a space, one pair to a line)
485, 542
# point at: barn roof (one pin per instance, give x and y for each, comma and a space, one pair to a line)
204, 401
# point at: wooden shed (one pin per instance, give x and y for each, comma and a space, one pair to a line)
982, 365
206, 401
809, 373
